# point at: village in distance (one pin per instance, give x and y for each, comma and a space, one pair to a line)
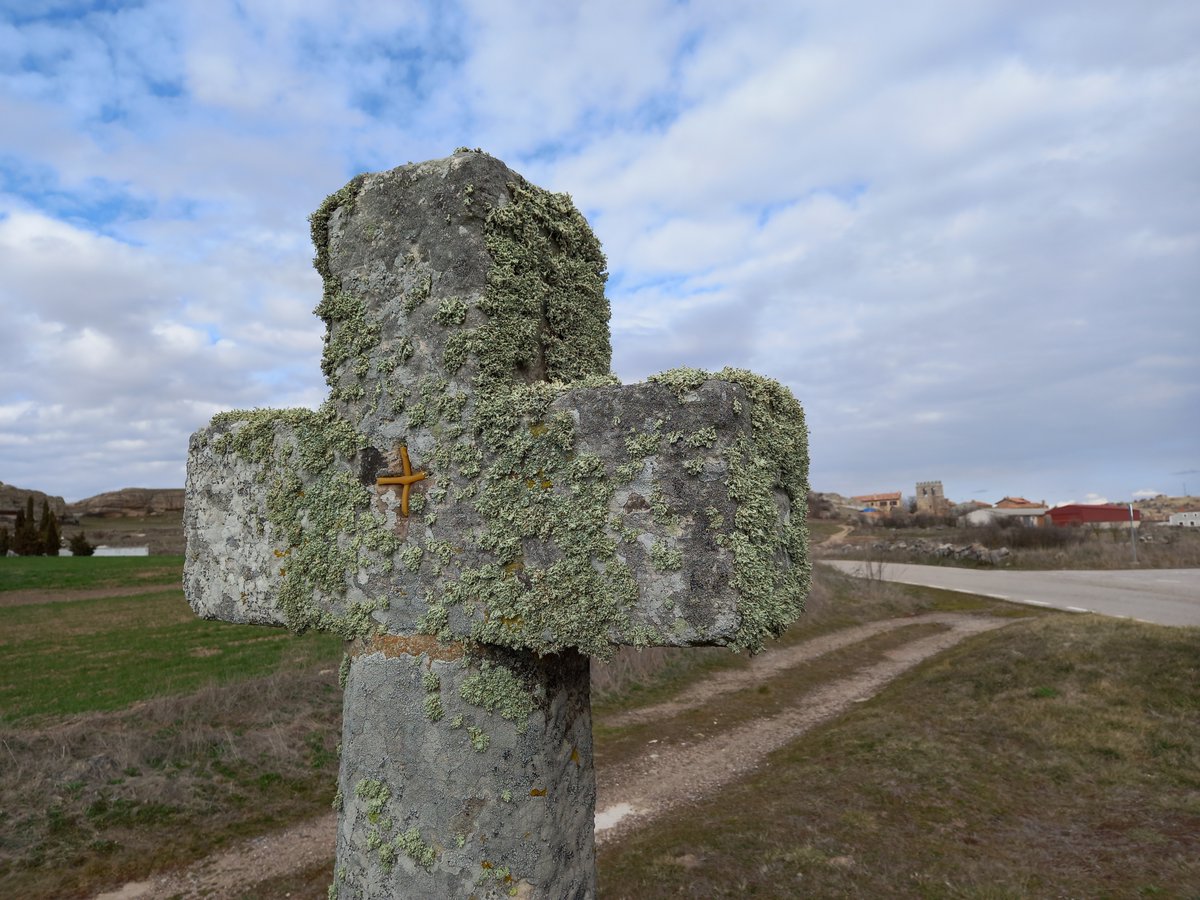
148, 521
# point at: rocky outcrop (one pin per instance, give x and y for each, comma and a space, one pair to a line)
131, 502
13, 497
919, 547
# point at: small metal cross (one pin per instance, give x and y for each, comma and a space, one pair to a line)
408, 479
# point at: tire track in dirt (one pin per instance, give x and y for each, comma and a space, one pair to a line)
767, 665
631, 795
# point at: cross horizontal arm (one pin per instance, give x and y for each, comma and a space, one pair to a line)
666, 513
277, 524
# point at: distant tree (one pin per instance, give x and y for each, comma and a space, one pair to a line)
79, 545
49, 535
25, 537
4, 540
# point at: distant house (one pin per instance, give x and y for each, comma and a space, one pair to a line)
1018, 503
104, 550
1185, 519
1103, 515
878, 503
1031, 516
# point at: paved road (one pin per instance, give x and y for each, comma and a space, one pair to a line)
1161, 596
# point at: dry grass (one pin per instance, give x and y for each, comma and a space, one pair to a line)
638, 677
1058, 757
1041, 548
101, 797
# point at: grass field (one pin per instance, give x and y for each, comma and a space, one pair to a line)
68, 573
136, 736
106, 653
1056, 757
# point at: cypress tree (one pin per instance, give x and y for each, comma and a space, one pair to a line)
32, 540
4, 540
20, 538
48, 534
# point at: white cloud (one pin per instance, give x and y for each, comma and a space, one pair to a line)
965, 237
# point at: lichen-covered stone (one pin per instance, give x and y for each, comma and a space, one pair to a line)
423, 813
561, 510
556, 513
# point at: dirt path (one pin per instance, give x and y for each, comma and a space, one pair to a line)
632, 795
770, 664
242, 866
31, 597
834, 539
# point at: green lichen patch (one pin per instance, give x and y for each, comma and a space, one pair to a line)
705, 437
319, 226
376, 794
681, 381
547, 313
773, 569
480, 739
434, 711
320, 513
666, 558
411, 844
350, 337
451, 311
497, 688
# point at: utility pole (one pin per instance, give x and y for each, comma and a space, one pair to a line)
1132, 536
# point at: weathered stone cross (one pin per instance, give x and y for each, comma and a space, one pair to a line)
553, 514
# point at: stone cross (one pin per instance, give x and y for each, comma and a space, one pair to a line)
478, 508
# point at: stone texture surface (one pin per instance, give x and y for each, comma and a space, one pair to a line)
511, 819
413, 269
236, 556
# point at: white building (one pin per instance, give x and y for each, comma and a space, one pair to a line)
1030, 516
1185, 519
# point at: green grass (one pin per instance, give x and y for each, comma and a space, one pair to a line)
820, 529
20, 573
1059, 756
87, 655
137, 736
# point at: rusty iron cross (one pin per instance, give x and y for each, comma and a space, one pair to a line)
407, 480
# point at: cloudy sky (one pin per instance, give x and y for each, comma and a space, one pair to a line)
966, 234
